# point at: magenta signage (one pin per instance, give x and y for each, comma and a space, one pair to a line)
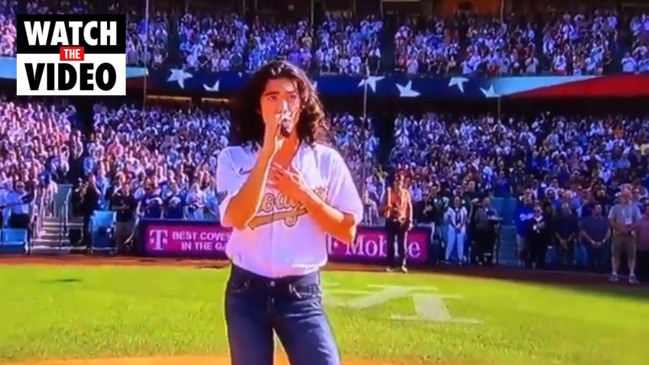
208, 240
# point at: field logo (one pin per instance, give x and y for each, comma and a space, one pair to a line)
71, 55
428, 304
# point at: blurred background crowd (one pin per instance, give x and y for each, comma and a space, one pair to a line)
161, 157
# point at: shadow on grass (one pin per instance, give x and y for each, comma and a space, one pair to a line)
61, 281
213, 267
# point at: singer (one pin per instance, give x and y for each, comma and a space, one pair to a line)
282, 191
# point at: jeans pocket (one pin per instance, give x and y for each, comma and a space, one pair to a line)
303, 292
235, 287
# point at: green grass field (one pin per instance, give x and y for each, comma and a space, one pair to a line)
51, 312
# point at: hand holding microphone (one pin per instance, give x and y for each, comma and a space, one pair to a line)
277, 129
285, 118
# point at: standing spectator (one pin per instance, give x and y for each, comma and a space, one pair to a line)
174, 203
595, 233
433, 212
150, 206
371, 211
623, 216
629, 64
456, 217
538, 237
124, 204
566, 229
642, 242
90, 196
484, 233
18, 202
524, 213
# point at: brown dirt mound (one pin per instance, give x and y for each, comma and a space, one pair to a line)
180, 360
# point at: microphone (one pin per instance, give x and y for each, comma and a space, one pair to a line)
285, 121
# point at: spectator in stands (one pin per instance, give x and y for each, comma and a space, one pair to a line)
623, 216
566, 230
595, 232
538, 237
580, 44
347, 47
642, 242
457, 219
90, 195
214, 43
174, 201
371, 210
147, 38
124, 204
7, 34
151, 205
433, 212
18, 201
290, 40
524, 213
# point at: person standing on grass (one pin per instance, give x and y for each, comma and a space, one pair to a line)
282, 191
623, 217
398, 221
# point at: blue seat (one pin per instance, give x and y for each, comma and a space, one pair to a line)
102, 230
509, 210
13, 241
102, 219
497, 205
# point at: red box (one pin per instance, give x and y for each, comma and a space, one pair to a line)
71, 54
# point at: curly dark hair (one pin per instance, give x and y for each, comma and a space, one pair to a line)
247, 123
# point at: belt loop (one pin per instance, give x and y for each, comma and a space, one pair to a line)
293, 291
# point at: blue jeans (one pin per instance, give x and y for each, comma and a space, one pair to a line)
255, 306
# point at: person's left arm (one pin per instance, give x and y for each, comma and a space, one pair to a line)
342, 210
409, 211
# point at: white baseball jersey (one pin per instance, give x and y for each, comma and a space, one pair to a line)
282, 239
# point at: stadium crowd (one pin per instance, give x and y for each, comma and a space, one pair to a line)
163, 158
158, 162
556, 42
38, 142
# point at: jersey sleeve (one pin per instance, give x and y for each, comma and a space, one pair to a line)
341, 190
228, 182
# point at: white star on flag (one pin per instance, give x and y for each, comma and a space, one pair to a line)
370, 82
489, 93
407, 91
214, 88
179, 76
459, 82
